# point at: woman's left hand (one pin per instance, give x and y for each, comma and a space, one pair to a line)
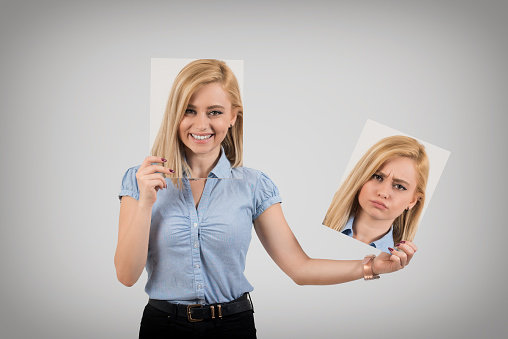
386, 263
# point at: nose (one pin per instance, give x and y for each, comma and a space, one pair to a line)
201, 121
383, 190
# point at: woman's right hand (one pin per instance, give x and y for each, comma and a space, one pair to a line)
150, 179
135, 218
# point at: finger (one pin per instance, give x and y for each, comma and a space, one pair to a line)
151, 159
406, 248
143, 177
411, 244
161, 170
152, 178
156, 168
144, 180
399, 254
157, 184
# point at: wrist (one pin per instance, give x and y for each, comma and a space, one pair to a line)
368, 270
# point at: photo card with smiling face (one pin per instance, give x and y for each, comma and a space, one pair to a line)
386, 187
212, 127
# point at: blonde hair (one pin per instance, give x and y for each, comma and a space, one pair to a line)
345, 202
192, 77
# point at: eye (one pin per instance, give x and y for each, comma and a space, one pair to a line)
377, 177
190, 111
214, 113
400, 187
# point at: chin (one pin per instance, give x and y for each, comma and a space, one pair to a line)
203, 150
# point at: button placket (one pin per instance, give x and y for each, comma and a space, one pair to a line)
195, 244
196, 258
200, 211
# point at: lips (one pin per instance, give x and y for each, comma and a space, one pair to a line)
201, 138
379, 204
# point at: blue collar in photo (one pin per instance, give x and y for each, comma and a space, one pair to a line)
222, 169
381, 244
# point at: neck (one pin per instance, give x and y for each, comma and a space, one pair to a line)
367, 230
201, 164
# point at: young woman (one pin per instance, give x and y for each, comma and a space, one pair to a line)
187, 211
381, 200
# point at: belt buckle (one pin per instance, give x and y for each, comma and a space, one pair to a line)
189, 314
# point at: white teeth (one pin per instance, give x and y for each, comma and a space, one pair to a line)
201, 137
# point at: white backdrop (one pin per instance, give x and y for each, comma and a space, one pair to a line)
75, 81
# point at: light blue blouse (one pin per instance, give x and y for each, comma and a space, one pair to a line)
198, 256
382, 244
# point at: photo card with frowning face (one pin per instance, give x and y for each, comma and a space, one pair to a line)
386, 187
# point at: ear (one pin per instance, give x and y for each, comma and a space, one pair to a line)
413, 202
234, 113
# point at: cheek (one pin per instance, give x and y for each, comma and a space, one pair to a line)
184, 125
222, 126
366, 189
362, 195
403, 202
181, 134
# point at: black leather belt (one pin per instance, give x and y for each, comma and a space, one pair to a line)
198, 312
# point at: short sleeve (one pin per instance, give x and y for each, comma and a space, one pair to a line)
265, 195
130, 184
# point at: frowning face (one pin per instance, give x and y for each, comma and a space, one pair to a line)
206, 121
390, 190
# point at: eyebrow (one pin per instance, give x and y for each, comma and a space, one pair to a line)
209, 107
394, 179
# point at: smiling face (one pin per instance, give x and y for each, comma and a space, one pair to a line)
390, 190
206, 121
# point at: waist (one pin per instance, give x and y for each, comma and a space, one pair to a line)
199, 312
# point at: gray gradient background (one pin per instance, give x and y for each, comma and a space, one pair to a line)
75, 115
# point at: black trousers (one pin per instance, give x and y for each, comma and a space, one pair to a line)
159, 324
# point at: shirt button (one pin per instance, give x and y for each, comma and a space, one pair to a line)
195, 224
197, 266
196, 245
200, 286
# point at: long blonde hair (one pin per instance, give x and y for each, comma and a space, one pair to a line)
345, 202
192, 77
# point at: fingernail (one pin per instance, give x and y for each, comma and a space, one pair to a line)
172, 171
402, 242
163, 160
398, 244
391, 249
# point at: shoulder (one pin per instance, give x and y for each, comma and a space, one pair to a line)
259, 182
130, 175
246, 173
129, 183
250, 175
264, 191
133, 169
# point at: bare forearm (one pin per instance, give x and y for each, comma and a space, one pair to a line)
132, 248
327, 272
281, 244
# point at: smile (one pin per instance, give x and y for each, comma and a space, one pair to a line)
201, 137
